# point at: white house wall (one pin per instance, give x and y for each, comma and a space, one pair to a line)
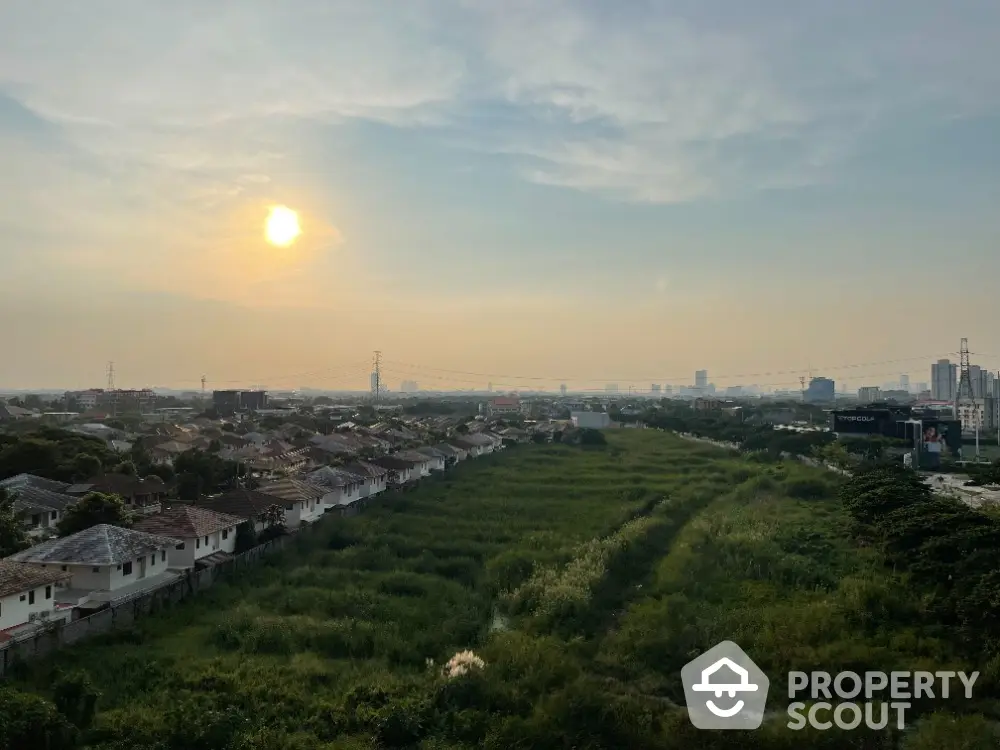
14, 611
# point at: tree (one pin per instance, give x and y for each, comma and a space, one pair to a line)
95, 508
75, 698
31, 456
246, 537
13, 537
86, 466
29, 721
189, 487
125, 467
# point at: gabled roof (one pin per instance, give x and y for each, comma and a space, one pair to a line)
431, 452
16, 577
329, 477
480, 440
242, 503
99, 545
187, 522
462, 444
31, 480
366, 469
292, 490
392, 462
448, 450
36, 497
415, 456
125, 485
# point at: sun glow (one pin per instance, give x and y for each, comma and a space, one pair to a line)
282, 227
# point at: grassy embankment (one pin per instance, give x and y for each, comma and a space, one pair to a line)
584, 578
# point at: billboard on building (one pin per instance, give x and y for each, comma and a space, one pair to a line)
863, 421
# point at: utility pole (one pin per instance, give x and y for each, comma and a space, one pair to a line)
376, 378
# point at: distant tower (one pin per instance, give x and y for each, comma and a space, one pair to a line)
489, 387
111, 389
562, 390
965, 394
376, 377
203, 391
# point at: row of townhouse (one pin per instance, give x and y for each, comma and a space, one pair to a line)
67, 578
42, 502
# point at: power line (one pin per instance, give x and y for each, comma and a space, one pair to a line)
644, 378
528, 386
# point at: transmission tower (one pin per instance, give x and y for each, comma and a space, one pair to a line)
202, 391
965, 392
802, 385
112, 394
376, 377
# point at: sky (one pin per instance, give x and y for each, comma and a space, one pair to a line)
523, 193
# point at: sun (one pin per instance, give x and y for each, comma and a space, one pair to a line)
282, 226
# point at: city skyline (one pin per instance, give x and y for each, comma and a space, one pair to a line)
411, 378
536, 188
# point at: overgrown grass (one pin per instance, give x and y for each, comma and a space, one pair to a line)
622, 564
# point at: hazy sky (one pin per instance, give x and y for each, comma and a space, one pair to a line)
591, 190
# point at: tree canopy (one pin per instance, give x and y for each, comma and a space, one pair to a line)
13, 537
93, 509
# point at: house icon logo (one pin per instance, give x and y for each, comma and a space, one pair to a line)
724, 689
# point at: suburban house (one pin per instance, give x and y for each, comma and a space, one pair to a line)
105, 562
341, 488
439, 461
471, 449
503, 405
484, 442
421, 461
206, 536
30, 480
247, 505
10, 413
27, 597
142, 496
303, 502
375, 477
453, 454
40, 508
401, 472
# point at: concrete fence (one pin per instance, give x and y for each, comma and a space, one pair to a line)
121, 614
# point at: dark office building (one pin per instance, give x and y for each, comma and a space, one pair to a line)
227, 403
820, 391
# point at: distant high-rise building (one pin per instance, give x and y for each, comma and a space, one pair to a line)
562, 390
820, 391
869, 394
921, 387
489, 387
944, 380
655, 389
611, 388
904, 382
668, 391
701, 378
409, 386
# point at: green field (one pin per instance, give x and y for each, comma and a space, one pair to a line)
584, 579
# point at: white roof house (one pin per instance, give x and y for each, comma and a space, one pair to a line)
106, 563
